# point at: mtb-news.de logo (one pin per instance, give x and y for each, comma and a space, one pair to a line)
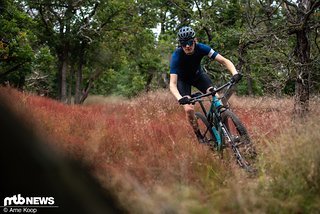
20, 204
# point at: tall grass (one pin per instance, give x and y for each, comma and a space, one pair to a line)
144, 150
292, 169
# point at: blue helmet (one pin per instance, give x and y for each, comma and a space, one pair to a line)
186, 33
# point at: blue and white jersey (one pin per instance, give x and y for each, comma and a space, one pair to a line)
187, 66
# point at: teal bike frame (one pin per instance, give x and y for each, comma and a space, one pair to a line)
224, 127
214, 114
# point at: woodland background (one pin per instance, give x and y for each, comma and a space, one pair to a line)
68, 49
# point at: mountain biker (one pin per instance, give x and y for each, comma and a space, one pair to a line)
186, 71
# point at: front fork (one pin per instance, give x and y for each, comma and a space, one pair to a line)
232, 143
220, 133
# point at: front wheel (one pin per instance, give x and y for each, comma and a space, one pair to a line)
205, 129
239, 140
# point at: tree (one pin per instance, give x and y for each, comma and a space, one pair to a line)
70, 28
299, 20
75, 29
263, 48
16, 40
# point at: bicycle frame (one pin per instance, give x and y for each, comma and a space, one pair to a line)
213, 107
216, 123
214, 115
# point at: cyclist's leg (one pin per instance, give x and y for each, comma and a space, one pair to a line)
202, 82
184, 89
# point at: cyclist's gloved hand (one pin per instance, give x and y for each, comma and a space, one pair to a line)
236, 78
184, 100
211, 89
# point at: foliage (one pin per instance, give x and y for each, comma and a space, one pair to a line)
17, 38
42, 79
109, 47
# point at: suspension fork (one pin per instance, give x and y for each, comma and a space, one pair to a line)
231, 142
225, 132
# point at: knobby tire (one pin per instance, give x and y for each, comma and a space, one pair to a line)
242, 147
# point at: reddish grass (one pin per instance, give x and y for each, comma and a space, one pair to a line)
146, 141
264, 117
125, 135
135, 133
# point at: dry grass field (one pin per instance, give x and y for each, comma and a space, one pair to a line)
145, 152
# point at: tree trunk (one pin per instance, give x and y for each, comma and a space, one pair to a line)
70, 84
63, 81
302, 86
78, 89
249, 80
22, 80
78, 85
62, 51
66, 51
85, 91
243, 66
149, 80
298, 17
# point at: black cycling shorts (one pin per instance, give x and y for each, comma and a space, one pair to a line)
201, 81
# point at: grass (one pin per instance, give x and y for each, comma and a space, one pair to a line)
144, 150
295, 166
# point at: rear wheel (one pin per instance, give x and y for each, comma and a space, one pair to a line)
241, 144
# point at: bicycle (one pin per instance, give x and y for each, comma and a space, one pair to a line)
221, 128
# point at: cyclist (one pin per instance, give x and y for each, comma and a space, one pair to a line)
186, 71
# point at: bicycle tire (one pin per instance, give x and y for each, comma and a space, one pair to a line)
205, 129
242, 147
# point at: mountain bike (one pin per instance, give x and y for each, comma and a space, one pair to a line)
221, 128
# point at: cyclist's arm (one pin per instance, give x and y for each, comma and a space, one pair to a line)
227, 63
173, 86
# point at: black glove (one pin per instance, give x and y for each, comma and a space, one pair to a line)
184, 100
236, 78
212, 90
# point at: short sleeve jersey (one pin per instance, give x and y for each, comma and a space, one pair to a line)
187, 66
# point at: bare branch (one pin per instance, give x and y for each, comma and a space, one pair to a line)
199, 9
89, 85
316, 38
37, 78
289, 12
288, 3
179, 7
313, 7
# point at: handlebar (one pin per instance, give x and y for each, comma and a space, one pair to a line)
196, 97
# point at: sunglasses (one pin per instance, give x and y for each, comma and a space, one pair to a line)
187, 42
